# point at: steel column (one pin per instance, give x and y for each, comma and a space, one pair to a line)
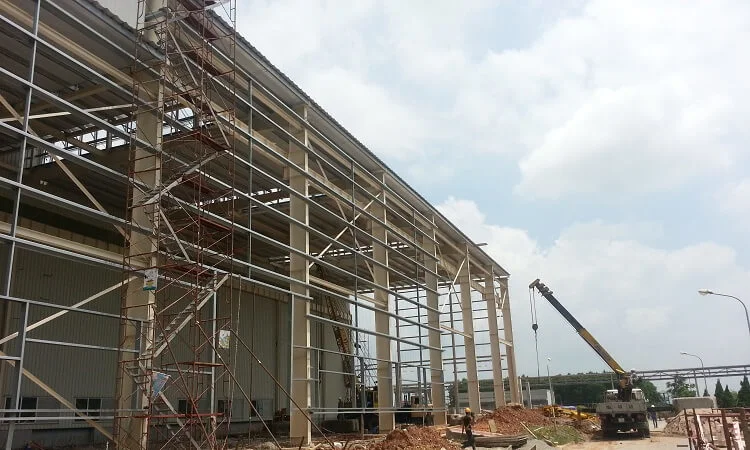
437, 376
382, 321
510, 352
497, 365
8, 280
299, 240
467, 317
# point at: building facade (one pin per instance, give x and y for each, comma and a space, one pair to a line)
190, 243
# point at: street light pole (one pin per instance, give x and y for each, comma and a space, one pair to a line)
552, 394
710, 292
705, 383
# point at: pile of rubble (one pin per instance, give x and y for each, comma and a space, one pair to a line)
588, 426
417, 438
676, 425
511, 420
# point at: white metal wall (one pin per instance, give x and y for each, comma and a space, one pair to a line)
88, 373
74, 372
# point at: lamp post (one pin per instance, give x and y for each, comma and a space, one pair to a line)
703, 368
710, 292
552, 394
549, 380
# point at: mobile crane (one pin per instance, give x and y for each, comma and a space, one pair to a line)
624, 408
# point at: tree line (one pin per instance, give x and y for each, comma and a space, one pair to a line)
590, 393
725, 398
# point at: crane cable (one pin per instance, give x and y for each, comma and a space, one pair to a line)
534, 325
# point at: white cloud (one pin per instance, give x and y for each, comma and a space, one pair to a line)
295, 34
633, 139
644, 320
734, 198
429, 38
376, 118
614, 99
596, 98
639, 301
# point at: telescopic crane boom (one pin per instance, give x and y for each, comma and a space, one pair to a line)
626, 409
547, 293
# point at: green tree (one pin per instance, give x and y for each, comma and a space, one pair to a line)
721, 401
649, 391
730, 398
463, 386
581, 394
743, 395
705, 393
680, 388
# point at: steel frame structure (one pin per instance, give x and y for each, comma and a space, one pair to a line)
312, 217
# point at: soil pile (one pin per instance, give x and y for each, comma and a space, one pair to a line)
508, 420
417, 438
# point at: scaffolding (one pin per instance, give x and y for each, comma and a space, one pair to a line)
228, 185
188, 124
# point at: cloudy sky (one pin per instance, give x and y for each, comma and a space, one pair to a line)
598, 145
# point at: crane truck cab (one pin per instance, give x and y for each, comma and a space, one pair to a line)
623, 415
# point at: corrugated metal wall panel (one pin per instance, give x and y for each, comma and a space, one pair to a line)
80, 373
332, 383
284, 352
265, 344
88, 372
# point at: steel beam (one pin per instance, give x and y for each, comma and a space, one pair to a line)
54, 316
58, 161
46, 388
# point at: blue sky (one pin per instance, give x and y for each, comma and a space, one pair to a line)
598, 145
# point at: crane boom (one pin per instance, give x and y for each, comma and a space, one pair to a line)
547, 293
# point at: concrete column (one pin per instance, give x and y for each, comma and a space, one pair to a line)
437, 376
299, 427
509, 350
470, 352
382, 321
497, 365
142, 252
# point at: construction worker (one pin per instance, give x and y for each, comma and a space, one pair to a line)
466, 426
652, 414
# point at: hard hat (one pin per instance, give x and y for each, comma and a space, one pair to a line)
467, 410
652, 406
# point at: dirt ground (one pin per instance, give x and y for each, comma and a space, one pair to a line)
657, 442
